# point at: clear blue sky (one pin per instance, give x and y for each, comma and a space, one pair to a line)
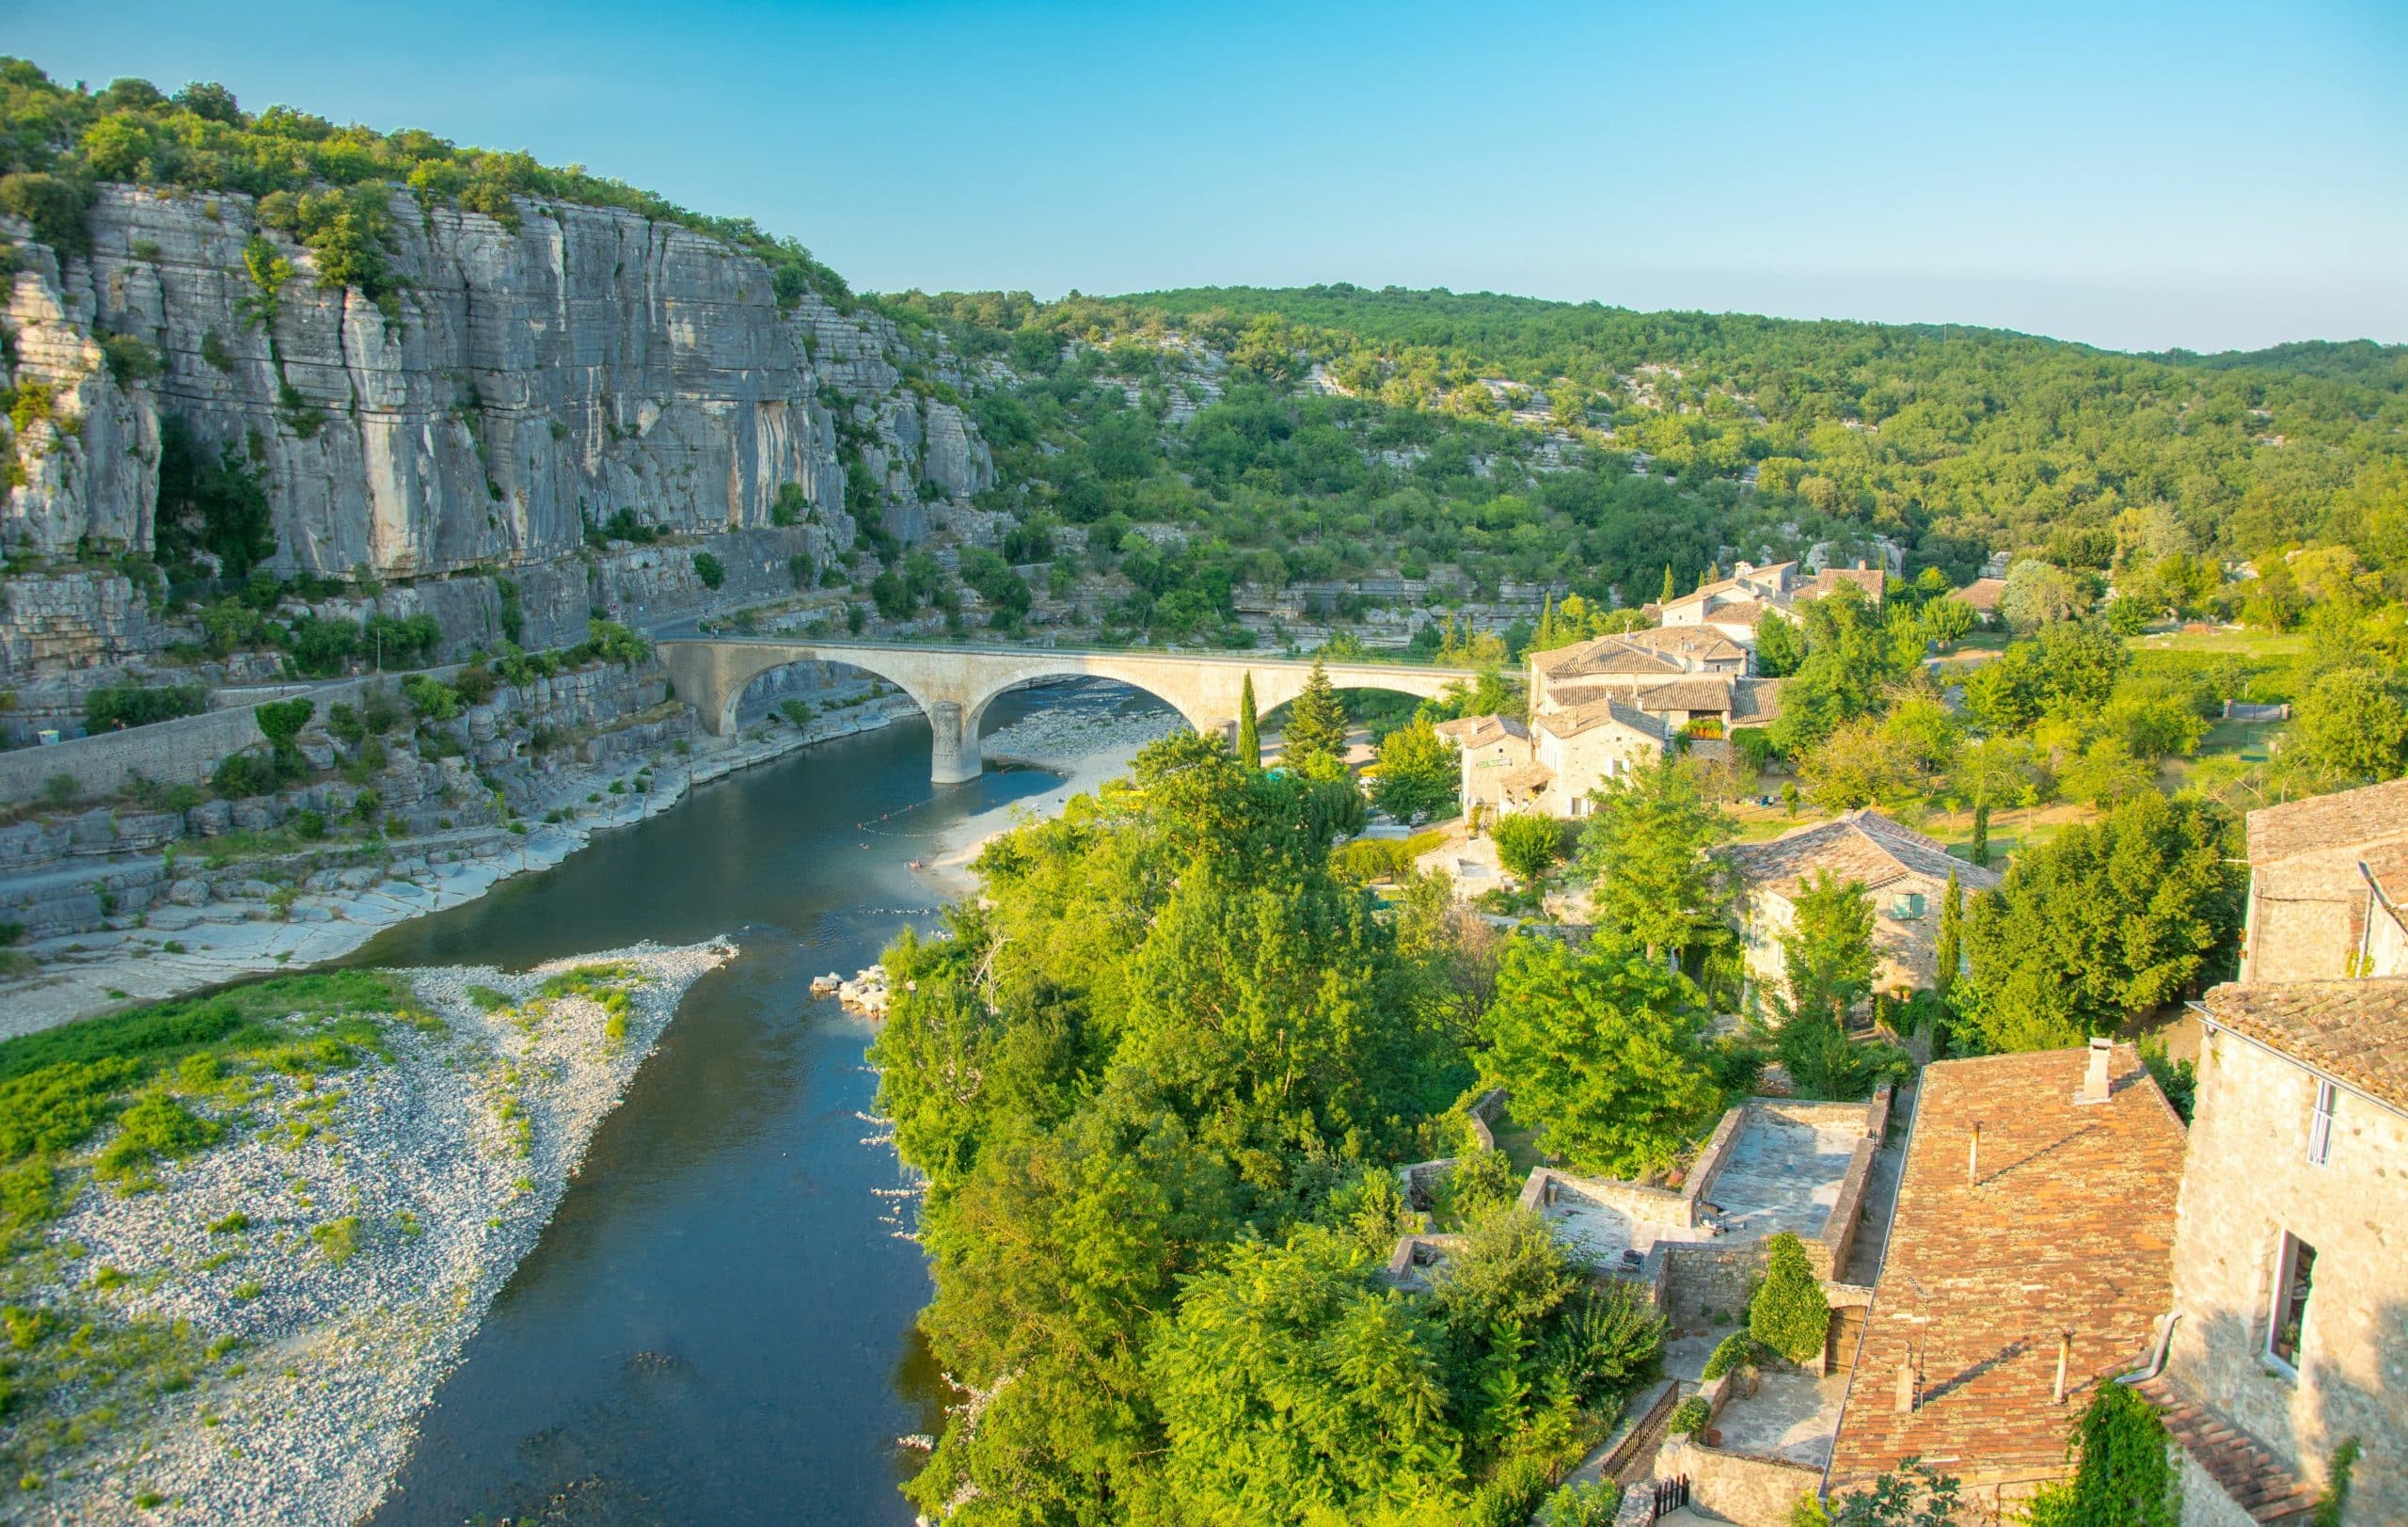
2132, 175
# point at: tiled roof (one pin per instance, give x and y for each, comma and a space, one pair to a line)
1479, 731
1749, 612
1529, 776
2245, 1471
1873, 581
1859, 846
2340, 820
1982, 594
1612, 710
1754, 701
1604, 655
2356, 1032
2063, 1225
1700, 643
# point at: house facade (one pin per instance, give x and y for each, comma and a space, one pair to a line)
1905, 872
1734, 607
2328, 877
2291, 1254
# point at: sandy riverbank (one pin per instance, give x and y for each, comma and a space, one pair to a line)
313, 1277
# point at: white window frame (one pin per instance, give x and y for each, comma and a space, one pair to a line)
2319, 1124
2286, 1252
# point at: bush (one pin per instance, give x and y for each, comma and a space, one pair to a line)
134, 705
1529, 843
1690, 1416
241, 775
1734, 1351
709, 569
155, 1128
1789, 1314
337, 1238
1582, 1506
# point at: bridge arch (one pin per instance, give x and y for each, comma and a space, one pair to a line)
952, 686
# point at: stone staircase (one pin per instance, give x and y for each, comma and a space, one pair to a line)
2253, 1478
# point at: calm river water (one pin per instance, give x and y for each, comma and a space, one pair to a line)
717, 1325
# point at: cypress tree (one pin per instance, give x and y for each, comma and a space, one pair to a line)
1544, 640
1949, 953
1671, 592
1249, 731
1979, 850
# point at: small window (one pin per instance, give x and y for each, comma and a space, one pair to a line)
1907, 906
2294, 1281
2320, 1125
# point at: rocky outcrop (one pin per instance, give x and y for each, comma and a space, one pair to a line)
518, 387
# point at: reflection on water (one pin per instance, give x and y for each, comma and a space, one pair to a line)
717, 1325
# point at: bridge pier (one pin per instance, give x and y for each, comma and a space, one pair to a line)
953, 732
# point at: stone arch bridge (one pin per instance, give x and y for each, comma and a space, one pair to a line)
953, 684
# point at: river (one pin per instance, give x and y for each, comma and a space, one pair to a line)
717, 1323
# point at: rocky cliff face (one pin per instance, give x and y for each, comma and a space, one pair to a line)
518, 387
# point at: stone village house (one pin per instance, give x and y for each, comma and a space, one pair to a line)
1905, 872
2291, 1254
2326, 879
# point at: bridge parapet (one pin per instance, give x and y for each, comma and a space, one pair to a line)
953, 685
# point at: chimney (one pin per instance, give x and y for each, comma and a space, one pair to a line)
2095, 1085
2065, 1356
1974, 1157
1906, 1388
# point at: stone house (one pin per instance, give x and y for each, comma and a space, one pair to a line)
2030, 1258
2289, 1298
1905, 872
1599, 707
2327, 879
1735, 606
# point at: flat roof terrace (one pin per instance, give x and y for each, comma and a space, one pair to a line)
1775, 1164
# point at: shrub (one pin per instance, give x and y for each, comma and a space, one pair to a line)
1690, 1416
233, 1224
1733, 1352
337, 1238
709, 569
1789, 1314
134, 705
1527, 843
155, 1128
1582, 1506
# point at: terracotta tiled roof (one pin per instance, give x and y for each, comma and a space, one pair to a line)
1700, 643
1873, 581
1612, 710
2355, 1031
1982, 594
1860, 845
2240, 1466
1736, 612
1604, 655
2064, 1224
2349, 818
1754, 701
1479, 731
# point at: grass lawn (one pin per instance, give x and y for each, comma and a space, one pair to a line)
2243, 643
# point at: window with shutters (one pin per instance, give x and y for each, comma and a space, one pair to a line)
2320, 1125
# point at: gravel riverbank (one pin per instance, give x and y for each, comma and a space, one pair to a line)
304, 1284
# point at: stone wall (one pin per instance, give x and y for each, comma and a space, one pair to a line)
1739, 1487
2245, 1182
1701, 1275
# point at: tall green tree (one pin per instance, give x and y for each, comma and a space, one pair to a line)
1314, 741
1948, 953
1779, 645
2102, 923
1419, 772
1643, 853
1606, 1049
1828, 950
2351, 727
1671, 590
1249, 728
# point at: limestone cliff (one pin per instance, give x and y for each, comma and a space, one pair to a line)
519, 385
